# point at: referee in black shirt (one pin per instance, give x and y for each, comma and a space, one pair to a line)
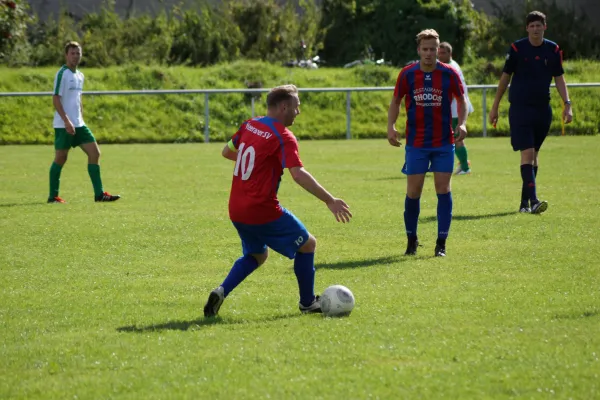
532, 62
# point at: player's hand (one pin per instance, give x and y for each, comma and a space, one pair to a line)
340, 209
393, 137
69, 127
494, 116
462, 132
567, 114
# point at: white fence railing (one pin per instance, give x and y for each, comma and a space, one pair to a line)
208, 92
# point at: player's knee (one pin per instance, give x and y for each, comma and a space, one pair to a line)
60, 158
94, 156
442, 182
310, 246
528, 156
413, 193
261, 258
442, 188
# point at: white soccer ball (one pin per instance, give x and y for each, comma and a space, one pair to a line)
337, 301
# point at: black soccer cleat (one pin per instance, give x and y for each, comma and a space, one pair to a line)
539, 207
440, 251
214, 302
313, 308
411, 247
106, 197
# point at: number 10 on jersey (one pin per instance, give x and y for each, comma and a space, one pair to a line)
245, 161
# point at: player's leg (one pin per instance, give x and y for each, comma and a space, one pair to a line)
417, 165
464, 167
441, 165
62, 144
304, 268
289, 237
88, 144
412, 209
540, 133
255, 253
522, 139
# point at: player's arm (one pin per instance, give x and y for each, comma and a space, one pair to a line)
561, 86
463, 114
457, 90
393, 113
61, 111
502, 86
337, 206
510, 66
394, 109
81, 101
229, 151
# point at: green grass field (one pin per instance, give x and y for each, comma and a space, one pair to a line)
105, 300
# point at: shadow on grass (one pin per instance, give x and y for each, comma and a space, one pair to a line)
575, 315
198, 323
39, 203
433, 218
361, 263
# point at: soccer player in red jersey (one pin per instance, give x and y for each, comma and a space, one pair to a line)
531, 63
428, 87
261, 149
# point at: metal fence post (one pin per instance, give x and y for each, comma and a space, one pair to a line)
348, 134
484, 112
252, 102
206, 130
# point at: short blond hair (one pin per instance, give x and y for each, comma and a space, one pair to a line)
427, 34
71, 45
281, 93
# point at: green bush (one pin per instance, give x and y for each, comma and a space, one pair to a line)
340, 31
572, 29
180, 118
14, 20
389, 27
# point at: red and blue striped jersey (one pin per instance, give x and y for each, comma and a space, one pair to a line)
428, 99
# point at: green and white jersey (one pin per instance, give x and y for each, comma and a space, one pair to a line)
454, 106
69, 85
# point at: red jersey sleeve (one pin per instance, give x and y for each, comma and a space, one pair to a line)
290, 153
235, 139
456, 86
401, 88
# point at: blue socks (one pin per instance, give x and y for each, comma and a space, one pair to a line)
444, 214
412, 208
304, 268
241, 269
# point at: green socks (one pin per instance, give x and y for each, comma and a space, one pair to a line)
94, 171
461, 154
55, 170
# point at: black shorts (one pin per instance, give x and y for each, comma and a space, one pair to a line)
529, 126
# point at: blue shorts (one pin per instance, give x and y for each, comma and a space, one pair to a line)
529, 126
285, 235
422, 160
